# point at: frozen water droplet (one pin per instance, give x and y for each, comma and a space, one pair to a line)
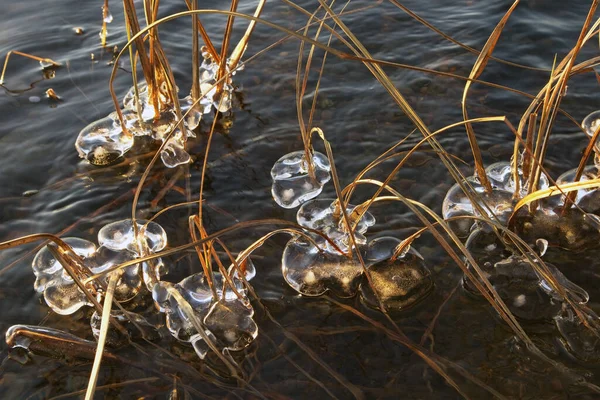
174, 154
292, 185
513, 277
380, 249
119, 235
542, 245
591, 123
246, 266
499, 202
102, 142
399, 283
194, 112
312, 273
106, 15
232, 324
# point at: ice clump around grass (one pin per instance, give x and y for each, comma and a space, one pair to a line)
102, 142
527, 292
321, 215
292, 183
117, 245
313, 272
399, 283
499, 203
227, 318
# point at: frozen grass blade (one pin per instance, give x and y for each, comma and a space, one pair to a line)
26, 55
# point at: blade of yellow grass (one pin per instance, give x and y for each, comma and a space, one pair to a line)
477, 70
240, 48
108, 298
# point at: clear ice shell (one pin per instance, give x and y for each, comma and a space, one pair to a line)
194, 113
247, 266
130, 280
61, 293
578, 339
232, 324
107, 16
119, 235
147, 111
292, 185
196, 291
587, 199
174, 154
102, 142
499, 202
319, 214
312, 273
527, 294
591, 123
399, 283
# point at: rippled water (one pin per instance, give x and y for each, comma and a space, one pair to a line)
73, 198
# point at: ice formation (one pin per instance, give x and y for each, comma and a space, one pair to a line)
499, 203
117, 245
292, 182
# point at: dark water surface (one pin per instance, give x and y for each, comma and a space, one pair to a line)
359, 118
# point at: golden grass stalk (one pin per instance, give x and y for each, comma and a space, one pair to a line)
104, 324
477, 70
103, 30
225, 46
207, 42
240, 48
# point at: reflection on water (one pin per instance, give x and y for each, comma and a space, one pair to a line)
45, 187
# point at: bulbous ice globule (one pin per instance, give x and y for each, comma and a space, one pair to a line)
292, 184
197, 292
590, 124
232, 324
500, 202
148, 112
120, 235
312, 272
579, 338
399, 283
319, 214
60, 291
587, 199
174, 154
102, 142
527, 292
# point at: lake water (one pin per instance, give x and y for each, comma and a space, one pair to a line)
45, 187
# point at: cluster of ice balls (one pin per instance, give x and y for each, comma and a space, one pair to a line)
104, 141
116, 245
225, 313
499, 203
314, 267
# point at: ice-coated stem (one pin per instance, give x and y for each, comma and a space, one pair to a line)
189, 313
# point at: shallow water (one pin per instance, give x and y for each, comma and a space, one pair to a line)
360, 120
